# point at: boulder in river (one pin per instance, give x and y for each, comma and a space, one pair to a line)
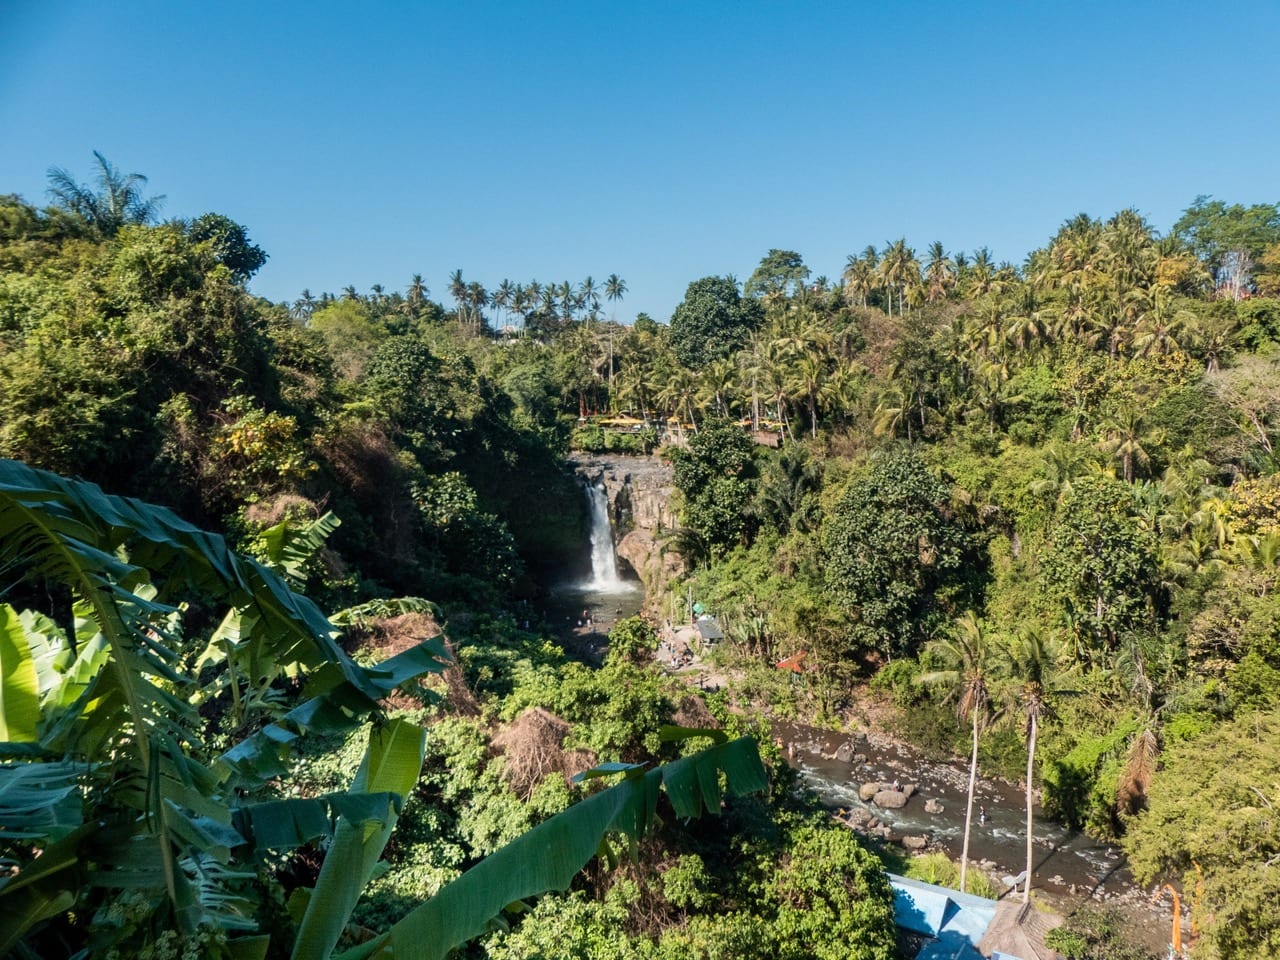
857, 817
844, 752
890, 799
909, 789
933, 806
869, 790
915, 843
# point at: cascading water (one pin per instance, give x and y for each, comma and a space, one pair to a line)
589, 603
604, 566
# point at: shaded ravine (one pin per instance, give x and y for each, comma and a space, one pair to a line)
1070, 867
583, 610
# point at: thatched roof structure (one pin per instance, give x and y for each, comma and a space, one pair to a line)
1018, 930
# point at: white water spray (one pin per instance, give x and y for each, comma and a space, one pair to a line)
604, 567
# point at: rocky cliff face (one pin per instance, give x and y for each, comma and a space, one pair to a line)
639, 490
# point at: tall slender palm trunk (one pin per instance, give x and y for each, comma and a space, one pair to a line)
1031, 763
968, 812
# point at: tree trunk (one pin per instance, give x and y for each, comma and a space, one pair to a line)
968, 810
1031, 763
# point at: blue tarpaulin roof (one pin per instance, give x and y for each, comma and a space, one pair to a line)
956, 921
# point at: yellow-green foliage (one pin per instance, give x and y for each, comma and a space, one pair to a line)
940, 869
1214, 804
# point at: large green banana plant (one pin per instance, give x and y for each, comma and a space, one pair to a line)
106, 782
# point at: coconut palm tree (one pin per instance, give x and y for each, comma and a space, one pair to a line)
899, 270
808, 375
303, 307
1063, 462
893, 411
614, 290
840, 392
679, 395
520, 302
458, 290
416, 295
981, 273
589, 296
1032, 659
477, 299
549, 298
970, 667
1128, 438
859, 279
501, 298
117, 201
939, 271
636, 387
718, 379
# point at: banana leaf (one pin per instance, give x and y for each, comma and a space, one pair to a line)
551, 854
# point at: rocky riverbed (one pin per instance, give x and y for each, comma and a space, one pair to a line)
884, 789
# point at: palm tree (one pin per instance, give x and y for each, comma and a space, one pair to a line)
520, 302
636, 387
1162, 328
751, 360
303, 307
679, 395
1128, 438
1063, 462
458, 290
893, 411
859, 279
718, 379
477, 299
969, 658
808, 377
1033, 658
981, 273
940, 271
549, 299
417, 293
899, 270
502, 297
841, 390
614, 289
117, 201
777, 391
589, 297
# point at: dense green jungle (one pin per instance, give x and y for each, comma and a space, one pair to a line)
273, 679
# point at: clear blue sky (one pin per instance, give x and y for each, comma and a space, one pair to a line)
663, 141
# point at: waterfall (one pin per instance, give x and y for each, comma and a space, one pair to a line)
604, 567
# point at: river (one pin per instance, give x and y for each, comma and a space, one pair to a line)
1070, 867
